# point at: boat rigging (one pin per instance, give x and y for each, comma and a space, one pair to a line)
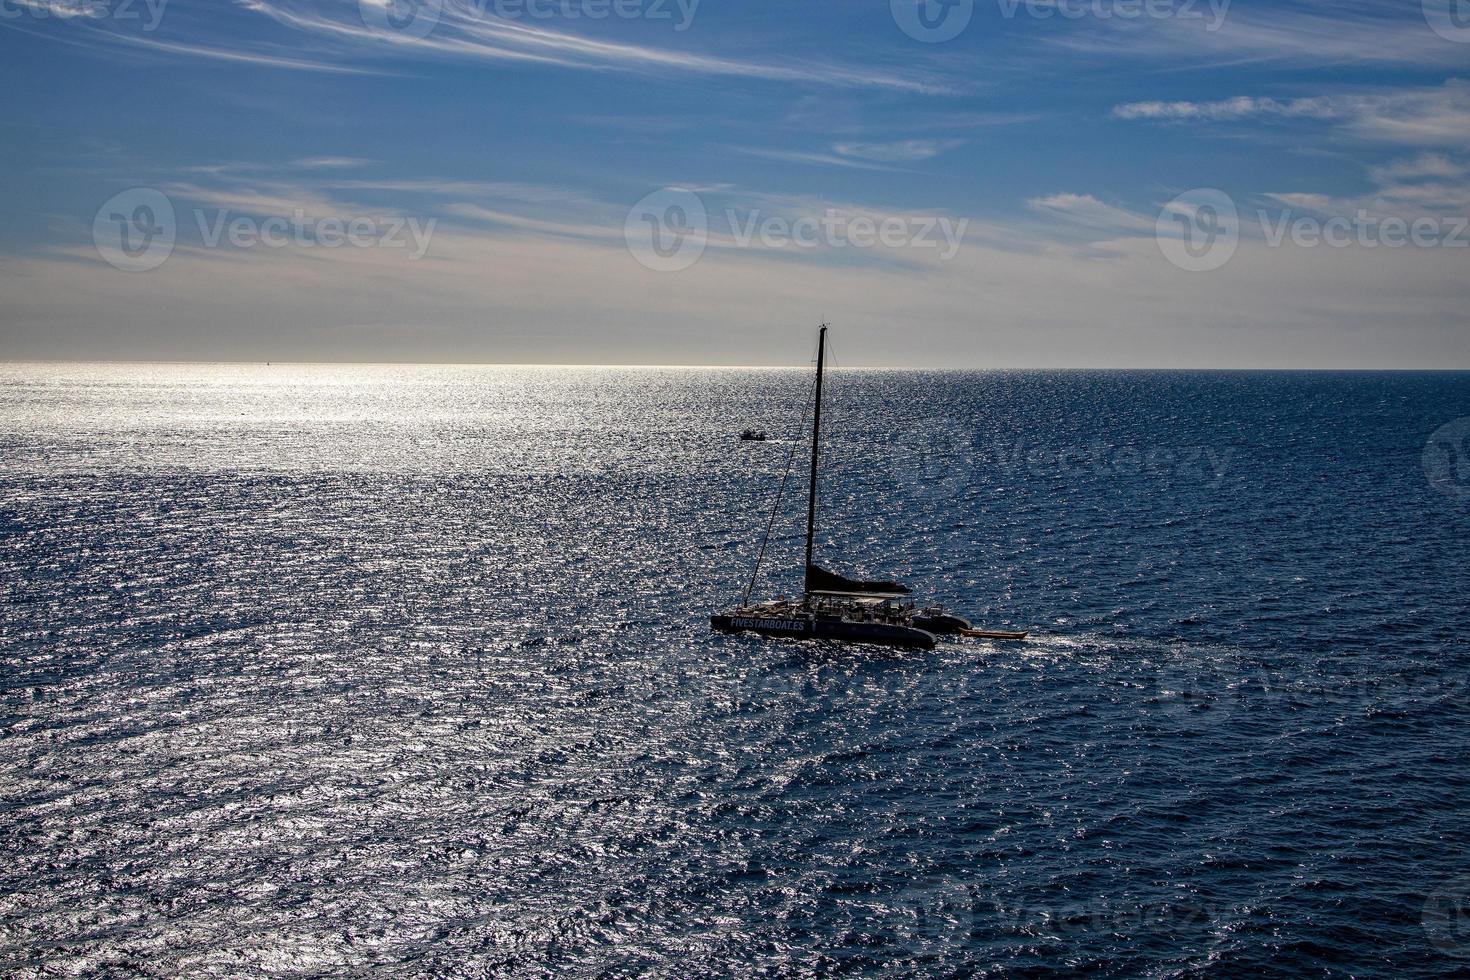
833, 606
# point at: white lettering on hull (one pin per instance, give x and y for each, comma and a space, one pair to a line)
748, 623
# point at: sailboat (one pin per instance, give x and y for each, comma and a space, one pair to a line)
833, 606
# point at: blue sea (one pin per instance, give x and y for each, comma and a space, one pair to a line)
406, 671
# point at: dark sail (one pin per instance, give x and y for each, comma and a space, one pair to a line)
818, 579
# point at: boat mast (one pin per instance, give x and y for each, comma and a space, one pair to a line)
811, 498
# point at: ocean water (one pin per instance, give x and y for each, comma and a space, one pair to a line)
407, 671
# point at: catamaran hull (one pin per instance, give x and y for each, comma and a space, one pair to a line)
884, 634
941, 624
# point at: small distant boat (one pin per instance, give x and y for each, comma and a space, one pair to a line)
833, 606
753, 435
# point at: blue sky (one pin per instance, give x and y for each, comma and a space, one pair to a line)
1058, 132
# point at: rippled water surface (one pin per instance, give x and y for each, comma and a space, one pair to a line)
407, 670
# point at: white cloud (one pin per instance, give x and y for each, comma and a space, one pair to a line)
1429, 185
806, 156
1087, 210
1300, 33
901, 151
1240, 107
330, 163
555, 283
1424, 165
1438, 116
505, 296
334, 37
236, 55
463, 32
61, 9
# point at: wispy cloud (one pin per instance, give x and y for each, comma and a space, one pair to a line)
1240, 107
335, 36
1424, 165
330, 163
242, 188
1438, 116
806, 156
509, 220
1429, 185
270, 198
241, 56
464, 31
1084, 209
1295, 33
901, 151
62, 9
485, 293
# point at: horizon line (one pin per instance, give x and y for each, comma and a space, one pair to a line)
568, 365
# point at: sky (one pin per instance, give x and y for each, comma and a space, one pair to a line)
949, 183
